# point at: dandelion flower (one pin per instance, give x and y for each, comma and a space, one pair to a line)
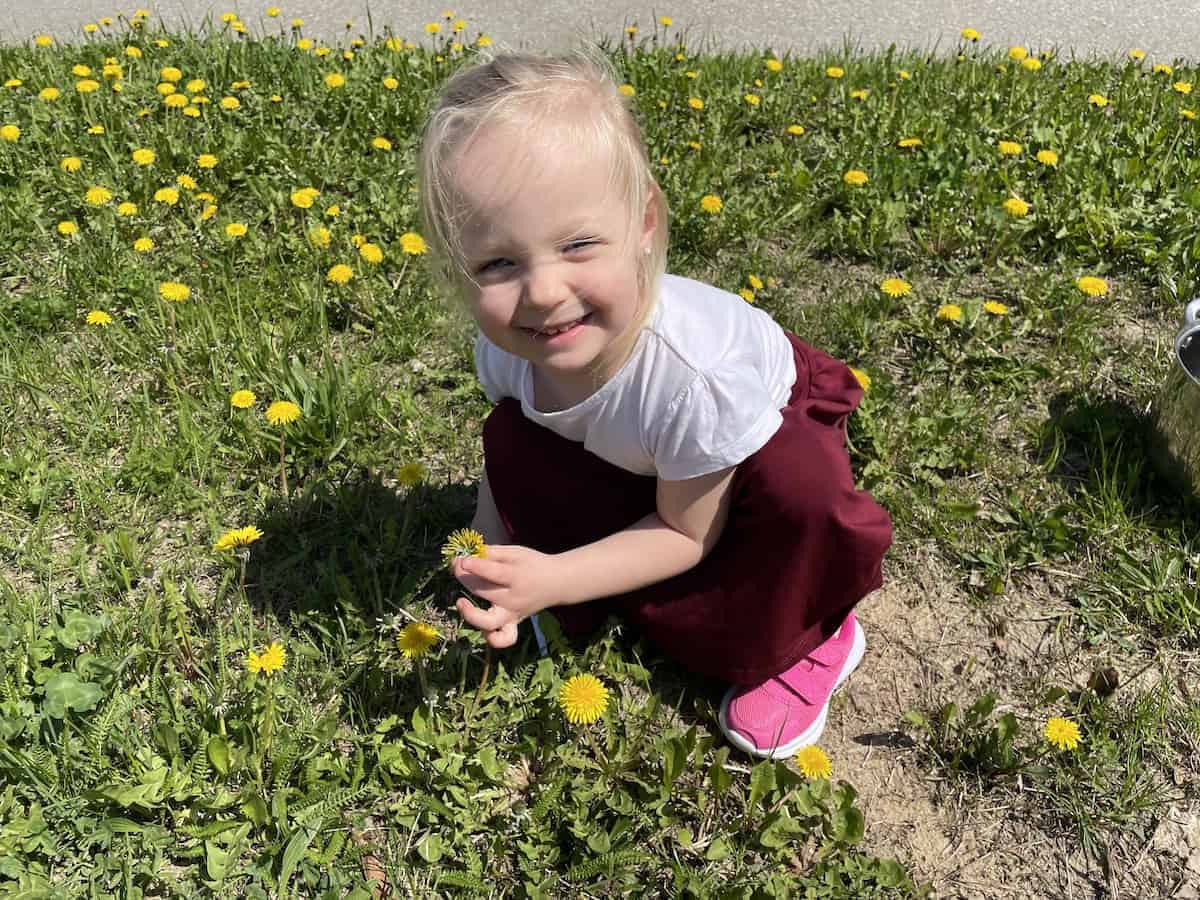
339, 274
711, 204
127, 209
174, 291
969, 34
143, 157
371, 253
951, 312
391, 83
167, 195
895, 287
235, 230
1188, 113
863, 379
835, 72
1031, 64
1137, 55
695, 103
860, 94
1047, 157
1182, 87
175, 101
1016, 54
242, 399
1163, 69
1008, 148
99, 318
43, 40
1098, 100
416, 639
87, 85
746, 294
752, 99
208, 212
238, 537
67, 228
186, 181
335, 80
813, 763
1015, 207
773, 65
583, 699
320, 236
305, 197
49, 94
206, 161
1062, 733
855, 178
411, 474
143, 245
282, 412
97, 195
464, 542
381, 143
1092, 286
996, 308
270, 661
909, 142
70, 164
230, 103
412, 243
795, 129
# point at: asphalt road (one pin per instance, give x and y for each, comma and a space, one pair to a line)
1165, 30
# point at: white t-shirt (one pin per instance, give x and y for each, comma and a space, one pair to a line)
701, 391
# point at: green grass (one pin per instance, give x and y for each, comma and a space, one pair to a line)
138, 755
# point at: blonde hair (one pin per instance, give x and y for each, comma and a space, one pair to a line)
577, 93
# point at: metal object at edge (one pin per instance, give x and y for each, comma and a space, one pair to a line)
1176, 410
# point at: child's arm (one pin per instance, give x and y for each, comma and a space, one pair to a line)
487, 519
690, 517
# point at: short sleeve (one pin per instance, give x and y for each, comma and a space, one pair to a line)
485, 369
716, 421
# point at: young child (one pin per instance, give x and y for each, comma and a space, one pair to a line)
660, 449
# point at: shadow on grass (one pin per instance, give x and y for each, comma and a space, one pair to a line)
343, 557
1105, 449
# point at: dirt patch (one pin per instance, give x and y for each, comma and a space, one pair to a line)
929, 642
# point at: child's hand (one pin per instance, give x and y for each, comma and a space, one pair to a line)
517, 581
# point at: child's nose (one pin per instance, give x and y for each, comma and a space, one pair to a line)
544, 285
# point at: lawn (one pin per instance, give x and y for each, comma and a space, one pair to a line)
240, 422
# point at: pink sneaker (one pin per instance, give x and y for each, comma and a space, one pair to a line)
788, 711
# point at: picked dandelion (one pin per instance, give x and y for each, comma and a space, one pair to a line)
462, 543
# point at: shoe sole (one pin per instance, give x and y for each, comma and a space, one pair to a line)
810, 734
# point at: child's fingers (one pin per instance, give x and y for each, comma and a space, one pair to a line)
484, 619
504, 637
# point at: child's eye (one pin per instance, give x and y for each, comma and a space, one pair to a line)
579, 245
492, 265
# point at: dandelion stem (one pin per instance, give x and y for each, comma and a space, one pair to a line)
282, 467
421, 676
487, 668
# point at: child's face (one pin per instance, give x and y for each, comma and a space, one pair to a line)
547, 243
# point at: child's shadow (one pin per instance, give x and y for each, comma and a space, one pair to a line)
339, 560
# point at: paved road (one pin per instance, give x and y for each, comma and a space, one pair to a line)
1166, 30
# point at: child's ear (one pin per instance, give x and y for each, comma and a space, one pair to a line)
650, 218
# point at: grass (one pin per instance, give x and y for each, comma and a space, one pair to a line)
139, 755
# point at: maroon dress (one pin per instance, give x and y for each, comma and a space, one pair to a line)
800, 549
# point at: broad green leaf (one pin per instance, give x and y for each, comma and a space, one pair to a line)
218, 753
65, 691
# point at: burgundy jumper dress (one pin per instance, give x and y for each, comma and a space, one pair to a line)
800, 549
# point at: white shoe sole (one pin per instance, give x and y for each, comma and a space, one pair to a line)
810, 734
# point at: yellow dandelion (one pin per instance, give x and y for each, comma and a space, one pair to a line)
70, 164
1092, 285
174, 291
746, 294
1047, 157
49, 94
855, 178
969, 34
87, 86
333, 211
1062, 733
305, 197
1137, 55
860, 94
175, 101
339, 274
1016, 54
1016, 207
270, 661
143, 156
127, 209
97, 195
143, 245
167, 195
412, 243
863, 379
835, 72
282, 412
773, 65
1097, 100
186, 181
627, 90
695, 103
795, 129
230, 103
371, 253
813, 763
196, 85
711, 204
464, 542
1031, 64
411, 474
895, 287
752, 99
381, 143
416, 639
583, 699
1008, 148
432, 27
391, 83
206, 161
755, 282
273, 11
43, 40
242, 399
909, 142
950, 312
1182, 87
1163, 69
335, 80
996, 308
67, 228
237, 537
208, 212
99, 318
320, 236
665, 21
235, 230
1188, 113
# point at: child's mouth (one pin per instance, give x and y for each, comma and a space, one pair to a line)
563, 336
